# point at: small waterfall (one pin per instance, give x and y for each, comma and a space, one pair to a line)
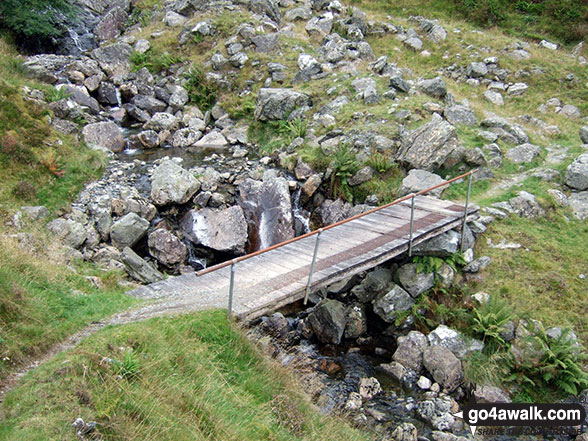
264, 233
195, 261
118, 97
76, 40
301, 216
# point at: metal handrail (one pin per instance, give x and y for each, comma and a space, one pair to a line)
328, 227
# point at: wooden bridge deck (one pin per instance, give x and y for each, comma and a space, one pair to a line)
271, 280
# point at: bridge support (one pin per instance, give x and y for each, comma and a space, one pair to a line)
231, 286
316, 247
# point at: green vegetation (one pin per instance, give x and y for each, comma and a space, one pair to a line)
272, 135
201, 91
562, 19
33, 18
54, 94
345, 165
192, 377
154, 61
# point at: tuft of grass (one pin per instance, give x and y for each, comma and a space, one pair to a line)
54, 94
200, 379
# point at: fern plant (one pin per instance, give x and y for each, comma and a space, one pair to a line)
489, 322
201, 90
345, 165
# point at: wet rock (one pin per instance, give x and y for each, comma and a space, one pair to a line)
418, 180
389, 304
415, 283
311, 185
128, 230
276, 104
170, 183
405, 432
138, 268
395, 370
429, 146
444, 366
149, 139
148, 103
224, 230
162, 121
70, 232
268, 208
356, 322
523, 153
369, 388
80, 95
410, 350
104, 135
327, 320
185, 137
449, 338
435, 87
577, 173
166, 247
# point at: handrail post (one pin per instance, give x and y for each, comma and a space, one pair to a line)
411, 226
316, 247
231, 286
465, 214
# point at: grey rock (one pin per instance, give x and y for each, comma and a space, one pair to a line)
213, 140
148, 103
414, 43
494, 97
584, 134
185, 137
111, 24
363, 175
149, 139
490, 394
445, 244
449, 338
376, 282
571, 112
269, 8
437, 412
218, 61
577, 173
478, 265
508, 132
166, 247
300, 13
170, 183
356, 322
388, 305
476, 70
429, 146
327, 320
107, 94
104, 135
418, 180
70, 232
399, 83
331, 211
35, 213
523, 153
80, 95
224, 230
128, 230
142, 46
138, 268
320, 26
277, 104
173, 19
526, 205
409, 351
405, 432
395, 370
266, 42
517, 89
162, 121
444, 366
435, 87
446, 436
179, 97
114, 59
461, 115
579, 204
415, 283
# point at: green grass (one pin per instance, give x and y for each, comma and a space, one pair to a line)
194, 377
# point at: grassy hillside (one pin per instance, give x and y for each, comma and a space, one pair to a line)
42, 298
195, 377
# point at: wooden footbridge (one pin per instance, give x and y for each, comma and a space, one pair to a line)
261, 282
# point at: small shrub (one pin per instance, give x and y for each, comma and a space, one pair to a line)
380, 163
55, 94
293, 129
201, 90
49, 160
345, 165
34, 18
129, 367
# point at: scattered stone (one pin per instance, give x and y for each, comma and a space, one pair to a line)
517, 89
449, 338
35, 213
445, 244
523, 153
405, 432
548, 45
424, 383
276, 104
526, 205
369, 388
477, 70
494, 97
577, 173
460, 114
478, 265
435, 87
413, 43
70, 232
363, 175
481, 297
410, 350
572, 112
579, 204
584, 134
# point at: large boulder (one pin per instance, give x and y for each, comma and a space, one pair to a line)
128, 230
523, 153
525, 205
445, 244
114, 59
410, 350
579, 204
331, 211
328, 321
224, 230
172, 184
418, 180
277, 104
70, 232
414, 282
378, 281
434, 87
104, 135
166, 247
577, 173
269, 8
460, 114
268, 209
389, 304
429, 146
444, 366
111, 24
138, 268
